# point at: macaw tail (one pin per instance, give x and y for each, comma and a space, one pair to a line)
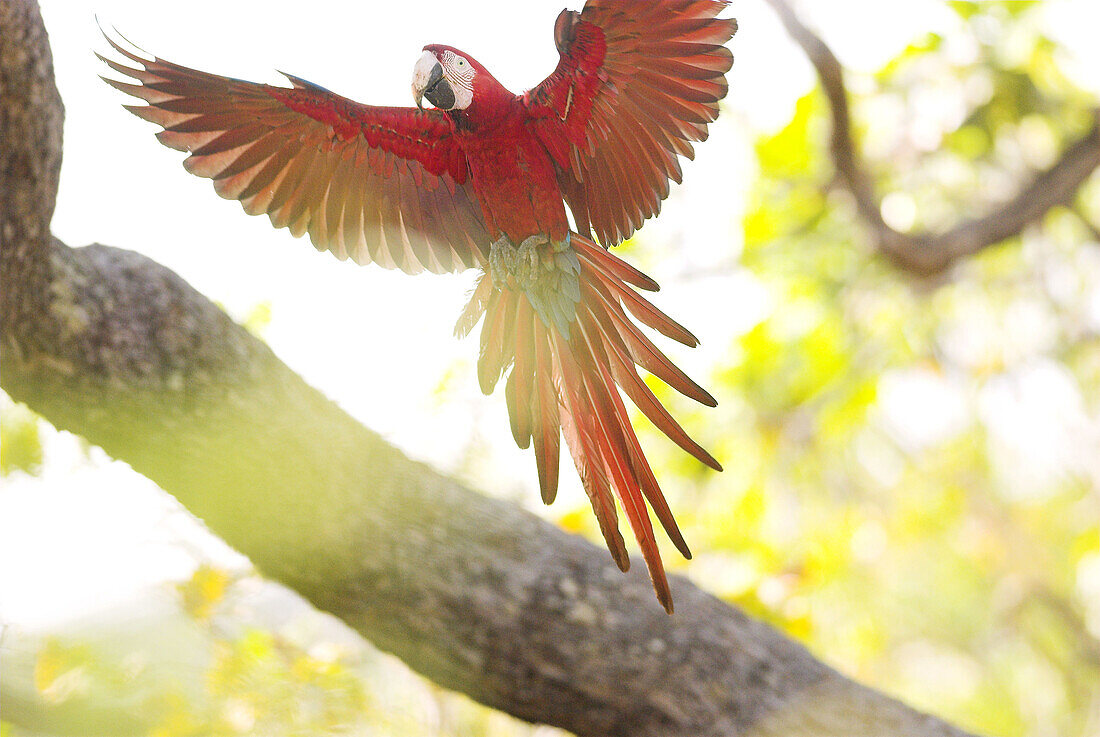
569, 380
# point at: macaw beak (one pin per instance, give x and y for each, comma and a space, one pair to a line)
428, 81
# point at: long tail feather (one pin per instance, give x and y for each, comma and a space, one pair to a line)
578, 428
626, 376
548, 419
644, 474
647, 355
567, 383
612, 447
613, 263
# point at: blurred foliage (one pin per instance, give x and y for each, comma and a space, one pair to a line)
257, 319
264, 685
256, 680
20, 444
202, 592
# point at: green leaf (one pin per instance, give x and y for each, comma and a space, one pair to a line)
20, 441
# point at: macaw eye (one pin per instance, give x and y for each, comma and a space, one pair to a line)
461, 62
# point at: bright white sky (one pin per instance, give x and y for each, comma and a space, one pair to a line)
377, 342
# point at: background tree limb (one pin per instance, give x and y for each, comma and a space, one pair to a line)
477, 594
932, 253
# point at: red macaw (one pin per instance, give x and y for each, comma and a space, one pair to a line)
483, 181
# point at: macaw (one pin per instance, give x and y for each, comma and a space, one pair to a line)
482, 180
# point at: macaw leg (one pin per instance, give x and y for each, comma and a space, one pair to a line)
502, 254
516, 267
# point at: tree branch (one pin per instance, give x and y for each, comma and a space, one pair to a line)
932, 253
31, 114
478, 595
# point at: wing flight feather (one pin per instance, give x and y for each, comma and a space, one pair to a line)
636, 85
375, 184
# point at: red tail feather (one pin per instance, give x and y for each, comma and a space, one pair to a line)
643, 473
570, 385
547, 438
612, 263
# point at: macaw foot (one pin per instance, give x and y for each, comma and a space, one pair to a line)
546, 271
516, 267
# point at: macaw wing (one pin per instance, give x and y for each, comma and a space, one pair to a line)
635, 85
382, 184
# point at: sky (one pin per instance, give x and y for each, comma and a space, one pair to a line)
379, 343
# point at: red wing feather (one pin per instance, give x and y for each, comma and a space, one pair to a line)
636, 84
389, 185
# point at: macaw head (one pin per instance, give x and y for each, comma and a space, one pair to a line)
451, 80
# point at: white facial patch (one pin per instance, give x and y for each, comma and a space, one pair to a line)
422, 71
460, 73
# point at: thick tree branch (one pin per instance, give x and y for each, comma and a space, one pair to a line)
477, 594
933, 253
31, 115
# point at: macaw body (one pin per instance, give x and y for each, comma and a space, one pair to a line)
513, 178
483, 180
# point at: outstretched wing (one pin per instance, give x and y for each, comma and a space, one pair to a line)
637, 82
382, 184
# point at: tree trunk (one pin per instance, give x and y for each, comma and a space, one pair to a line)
474, 593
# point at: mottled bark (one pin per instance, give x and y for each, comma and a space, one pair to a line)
31, 117
477, 594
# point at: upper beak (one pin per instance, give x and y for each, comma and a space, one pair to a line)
426, 74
